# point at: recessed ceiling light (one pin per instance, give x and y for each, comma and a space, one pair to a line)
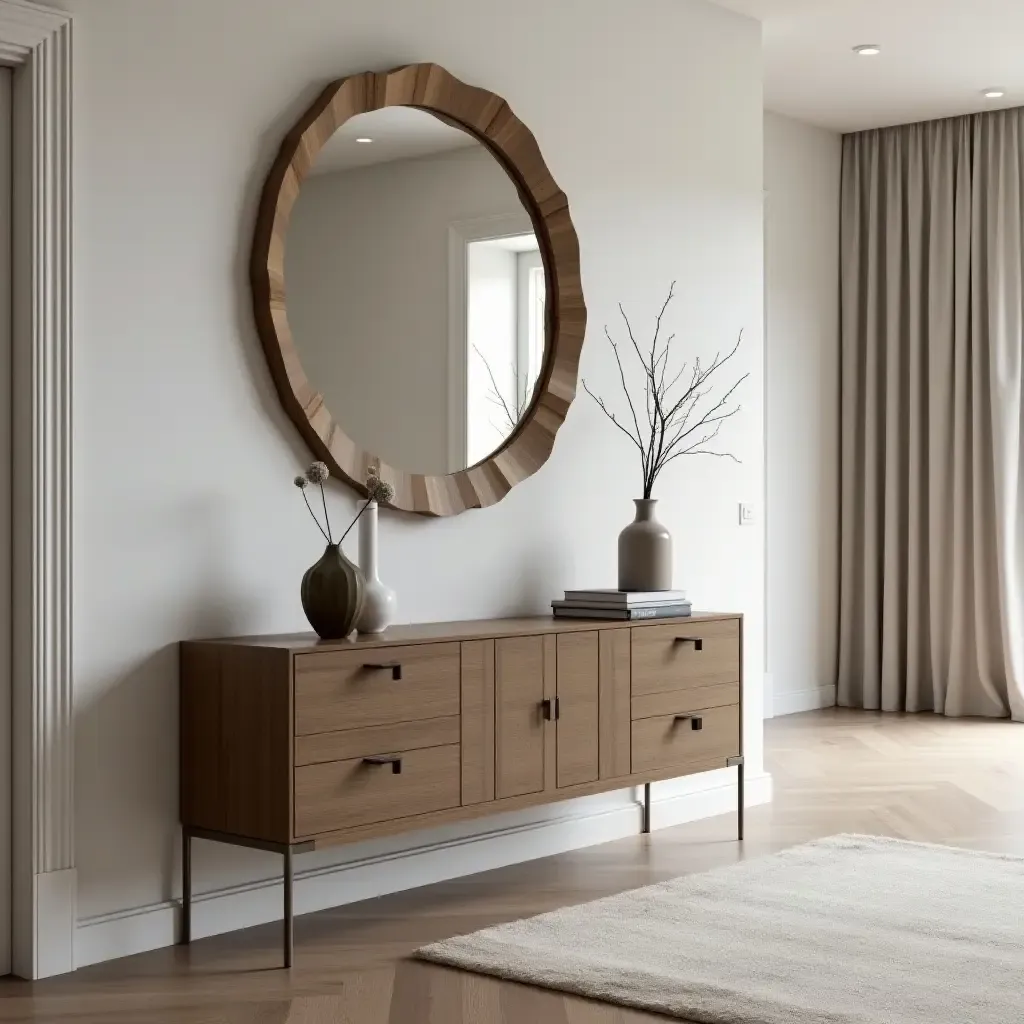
868, 50
364, 139
994, 94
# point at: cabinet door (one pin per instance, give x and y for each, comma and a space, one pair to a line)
577, 686
519, 723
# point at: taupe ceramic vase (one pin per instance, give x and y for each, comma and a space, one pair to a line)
645, 551
332, 594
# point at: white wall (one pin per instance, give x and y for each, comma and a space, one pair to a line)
801, 173
186, 522
366, 271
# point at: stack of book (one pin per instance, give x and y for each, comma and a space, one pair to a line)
622, 604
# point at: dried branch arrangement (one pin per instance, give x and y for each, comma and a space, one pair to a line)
679, 413
316, 476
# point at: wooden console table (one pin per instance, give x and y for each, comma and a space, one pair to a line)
292, 744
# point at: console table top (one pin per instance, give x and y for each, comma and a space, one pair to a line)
471, 629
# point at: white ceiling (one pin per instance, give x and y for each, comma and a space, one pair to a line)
937, 57
398, 133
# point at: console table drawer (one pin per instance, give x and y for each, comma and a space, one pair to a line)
665, 741
344, 745
342, 794
677, 702
350, 689
681, 655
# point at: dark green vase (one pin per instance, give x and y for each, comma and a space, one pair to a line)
332, 594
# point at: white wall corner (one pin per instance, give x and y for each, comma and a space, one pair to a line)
769, 695
804, 700
674, 802
37, 40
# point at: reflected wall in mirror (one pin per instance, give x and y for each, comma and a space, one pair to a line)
416, 290
416, 286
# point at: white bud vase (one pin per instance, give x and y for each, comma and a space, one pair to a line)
379, 601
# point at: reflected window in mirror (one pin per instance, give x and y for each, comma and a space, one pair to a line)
416, 290
504, 340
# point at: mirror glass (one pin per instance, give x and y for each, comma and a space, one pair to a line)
416, 291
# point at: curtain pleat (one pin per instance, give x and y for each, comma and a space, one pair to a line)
932, 418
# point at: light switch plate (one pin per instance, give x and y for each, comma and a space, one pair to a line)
747, 517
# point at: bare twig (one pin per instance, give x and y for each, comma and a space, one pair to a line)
611, 416
674, 425
327, 536
496, 395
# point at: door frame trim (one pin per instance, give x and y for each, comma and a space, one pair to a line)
36, 42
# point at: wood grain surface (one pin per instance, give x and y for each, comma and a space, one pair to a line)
356, 793
470, 629
578, 689
666, 741
477, 721
349, 689
519, 726
236, 740
666, 657
614, 704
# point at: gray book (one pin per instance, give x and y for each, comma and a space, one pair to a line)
627, 598
572, 610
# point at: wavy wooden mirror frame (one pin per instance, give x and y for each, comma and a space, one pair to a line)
488, 118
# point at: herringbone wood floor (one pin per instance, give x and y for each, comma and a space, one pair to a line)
918, 777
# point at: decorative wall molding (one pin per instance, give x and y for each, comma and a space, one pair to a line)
24, 27
675, 802
37, 41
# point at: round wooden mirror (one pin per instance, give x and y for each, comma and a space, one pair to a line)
416, 285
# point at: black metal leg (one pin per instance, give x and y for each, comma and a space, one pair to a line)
186, 886
289, 923
646, 826
740, 802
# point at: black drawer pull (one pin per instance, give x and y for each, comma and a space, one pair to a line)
696, 721
698, 643
380, 759
395, 668
551, 709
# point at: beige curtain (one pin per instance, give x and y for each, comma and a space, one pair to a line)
932, 435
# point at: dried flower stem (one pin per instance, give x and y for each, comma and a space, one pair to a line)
327, 536
326, 517
366, 505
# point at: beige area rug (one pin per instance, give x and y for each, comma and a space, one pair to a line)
847, 930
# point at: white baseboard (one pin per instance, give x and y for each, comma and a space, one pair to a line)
804, 700
108, 936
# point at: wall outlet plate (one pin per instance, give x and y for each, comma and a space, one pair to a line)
747, 516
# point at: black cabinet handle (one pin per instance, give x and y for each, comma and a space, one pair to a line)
381, 759
696, 721
698, 643
395, 668
551, 709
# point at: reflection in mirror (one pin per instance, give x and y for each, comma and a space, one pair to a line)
416, 291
